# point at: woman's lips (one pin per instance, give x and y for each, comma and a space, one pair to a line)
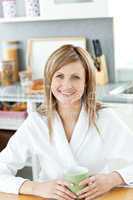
66, 93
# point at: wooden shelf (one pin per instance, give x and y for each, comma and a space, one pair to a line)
22, 19
35, 19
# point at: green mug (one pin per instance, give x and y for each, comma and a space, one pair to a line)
74, 177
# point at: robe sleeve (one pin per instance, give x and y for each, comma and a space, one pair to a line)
14, 157
118, 141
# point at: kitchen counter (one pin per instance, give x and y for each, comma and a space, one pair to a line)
116, 194
15, 93
103, 94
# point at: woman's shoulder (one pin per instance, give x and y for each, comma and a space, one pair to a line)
111, 125
34, 123
36, 117
36, 114
105, 111
108, 116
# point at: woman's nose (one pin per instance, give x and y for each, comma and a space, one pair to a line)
67, 84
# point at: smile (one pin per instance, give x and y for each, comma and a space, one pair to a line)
66, 94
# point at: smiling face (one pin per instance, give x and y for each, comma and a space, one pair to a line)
68, 84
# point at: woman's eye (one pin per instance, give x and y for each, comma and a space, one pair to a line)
60, 76
76, 77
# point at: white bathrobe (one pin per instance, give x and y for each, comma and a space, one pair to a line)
111, 150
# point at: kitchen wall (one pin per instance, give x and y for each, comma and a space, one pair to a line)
101, 28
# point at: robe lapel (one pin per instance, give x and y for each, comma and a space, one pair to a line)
65, 150
80, 131
61, 143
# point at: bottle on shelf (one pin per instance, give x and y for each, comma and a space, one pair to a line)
10, 53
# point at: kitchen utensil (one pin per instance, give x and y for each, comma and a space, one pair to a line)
100, 63
97, 48
98, 53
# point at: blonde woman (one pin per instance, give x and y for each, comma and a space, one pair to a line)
70, 129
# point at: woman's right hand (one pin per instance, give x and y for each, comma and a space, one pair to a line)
57, 189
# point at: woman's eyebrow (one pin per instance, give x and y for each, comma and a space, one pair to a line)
59, 73
75, 73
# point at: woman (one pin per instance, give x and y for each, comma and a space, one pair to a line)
70, 129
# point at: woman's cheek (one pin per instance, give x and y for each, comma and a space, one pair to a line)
81, 87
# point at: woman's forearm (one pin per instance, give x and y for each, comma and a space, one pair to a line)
28, 187
116, 179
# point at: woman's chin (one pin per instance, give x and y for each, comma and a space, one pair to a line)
67, 102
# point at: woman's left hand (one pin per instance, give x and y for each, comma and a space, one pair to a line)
97, 185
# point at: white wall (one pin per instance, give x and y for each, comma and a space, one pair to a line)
123, 34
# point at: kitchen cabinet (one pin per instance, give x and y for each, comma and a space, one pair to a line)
4, 138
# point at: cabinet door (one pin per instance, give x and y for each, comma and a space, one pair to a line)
124, 111
72, 9
4, 138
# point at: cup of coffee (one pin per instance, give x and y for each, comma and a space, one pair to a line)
74, 177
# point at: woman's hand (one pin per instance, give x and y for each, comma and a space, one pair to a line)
57, 189
98, 185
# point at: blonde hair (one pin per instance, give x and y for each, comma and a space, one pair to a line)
65, 55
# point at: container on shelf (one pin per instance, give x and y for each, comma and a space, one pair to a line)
7, 72
25, 80
32, 8
10, 52
9, 8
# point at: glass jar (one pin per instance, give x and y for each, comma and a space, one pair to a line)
10, 52
25, 80
9, 8
32, 8
7, 69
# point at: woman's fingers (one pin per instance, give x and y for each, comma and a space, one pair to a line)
62, 191
63, 195
62, 182
66, 191
90, 189
87, 194
95, 186
87, 189
88, 181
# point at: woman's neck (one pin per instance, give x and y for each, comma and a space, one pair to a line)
69, 112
